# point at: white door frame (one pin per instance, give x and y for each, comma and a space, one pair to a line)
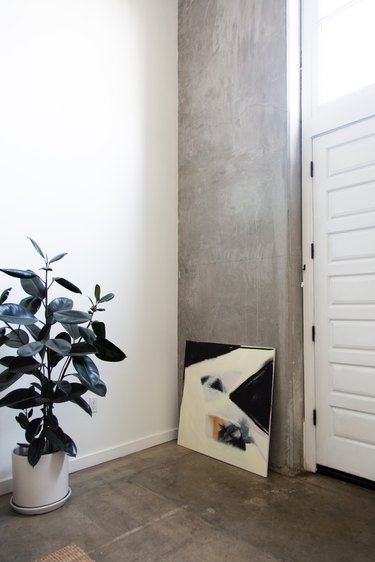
309, 433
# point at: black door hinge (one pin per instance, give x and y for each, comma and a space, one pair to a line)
312, 251
314, 417
311, 169
313, 333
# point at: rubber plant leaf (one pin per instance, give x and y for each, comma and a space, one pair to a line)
30, 349
82, 348
32, 304
24, 365
72, 317
107, 298
16, 314
37, 247
99, 328
58, 257
59, 346
34, 287
36, 450
87, 371
107, 351
61, 440
33, 429
7, 379
87, 334
67, 285
19, 273
21, 399
4, 295
81, 402
17, 338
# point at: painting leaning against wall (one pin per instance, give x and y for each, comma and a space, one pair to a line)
227, 403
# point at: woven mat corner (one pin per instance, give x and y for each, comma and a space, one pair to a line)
70, 553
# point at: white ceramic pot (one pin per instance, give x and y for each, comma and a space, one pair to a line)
41, 488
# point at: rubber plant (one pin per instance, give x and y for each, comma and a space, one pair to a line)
54, 344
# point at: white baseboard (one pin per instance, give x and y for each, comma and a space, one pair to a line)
98, 457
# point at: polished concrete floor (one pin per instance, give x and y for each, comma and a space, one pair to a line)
169, 504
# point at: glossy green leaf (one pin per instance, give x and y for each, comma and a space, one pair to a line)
87, 370
72, 317
16, 338
82, 348
73, 330
59, 346
65, 394
23, 420
64, 386
67, 285
36, 450
30, 349
107, 351
99, 388
62, 441
24, 365
81, 402
58, 257
99, 328
107, 298
34, 330
34, 287
21, 399
44, 333
97, 292
33, 429
4, 295
6, 360
32, 304
38, 249
87, 334
16, 314
7, 379
60, 304
19, 273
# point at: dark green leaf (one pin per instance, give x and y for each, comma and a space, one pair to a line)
44, 333
72, 330
107, 298
6, 360
71, 316
4, 295
60, 304
62, 441
37, 248
58, 257
64, 336
99, 388
99, 328
16, 314
81, 402
67, 285
87, 334
33, 428
35, 450
24, 365
64, 386
34, 331
59, 346
16, 338
82, 348
19, 273
52, 421
21, 399
34, 287
32, 304
7, 379
64, 395
30, 349
97, 292
87, 370
22, 419
107, 351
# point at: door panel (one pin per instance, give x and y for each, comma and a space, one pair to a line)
344, 287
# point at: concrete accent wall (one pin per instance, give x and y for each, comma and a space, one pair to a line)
239, 196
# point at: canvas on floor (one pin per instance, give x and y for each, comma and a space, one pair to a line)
227, 403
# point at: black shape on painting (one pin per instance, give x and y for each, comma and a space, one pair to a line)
213, 382
254, 395
195, 352
235, 435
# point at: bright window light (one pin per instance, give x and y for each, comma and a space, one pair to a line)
346, 47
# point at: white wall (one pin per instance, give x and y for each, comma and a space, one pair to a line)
88, 165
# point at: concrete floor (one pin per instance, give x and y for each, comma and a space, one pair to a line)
169, 504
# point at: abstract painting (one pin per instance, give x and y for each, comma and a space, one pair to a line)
227, 403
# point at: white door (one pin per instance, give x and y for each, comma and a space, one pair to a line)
344, 289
